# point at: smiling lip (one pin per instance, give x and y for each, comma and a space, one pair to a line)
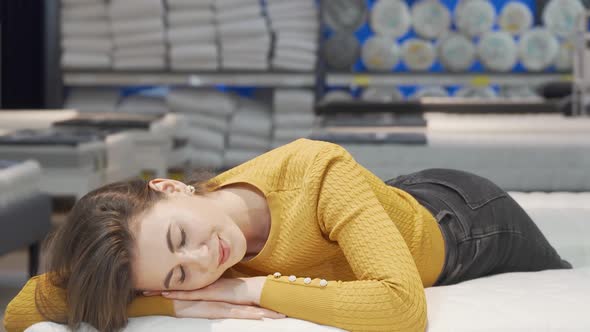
223, 252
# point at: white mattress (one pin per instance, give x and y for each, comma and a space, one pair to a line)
551, 300
119, 166
33, 119
153, 147
18, 181
506, 123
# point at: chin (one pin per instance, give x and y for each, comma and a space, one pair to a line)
240, 253
238, 248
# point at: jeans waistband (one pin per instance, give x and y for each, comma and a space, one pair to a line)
443, 214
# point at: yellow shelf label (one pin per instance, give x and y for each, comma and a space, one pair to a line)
147, 174
480, 81
567, 78
176, 175
361, 80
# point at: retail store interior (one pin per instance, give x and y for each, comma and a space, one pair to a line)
99, 91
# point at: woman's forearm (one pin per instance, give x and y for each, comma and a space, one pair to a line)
150, 306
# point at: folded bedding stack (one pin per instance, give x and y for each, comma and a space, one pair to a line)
250, 132
293, 115
92, 100
18, 180
207, 114
86, 36
155, 104
143, 104
138, 34
295, 25
244, 35
192, 35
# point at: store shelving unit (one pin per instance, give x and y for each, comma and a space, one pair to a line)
442, 105
581, 79
86, 78
354, 80
319, 79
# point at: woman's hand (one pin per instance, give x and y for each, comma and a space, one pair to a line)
218, 310
225, 298
245, 291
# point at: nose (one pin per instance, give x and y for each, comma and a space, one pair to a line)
200, 255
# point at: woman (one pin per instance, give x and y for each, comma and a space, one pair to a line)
302, 231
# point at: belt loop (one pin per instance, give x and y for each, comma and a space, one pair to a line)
442, 214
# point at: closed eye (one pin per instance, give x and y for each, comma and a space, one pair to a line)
180, 245
182, 275
182, 238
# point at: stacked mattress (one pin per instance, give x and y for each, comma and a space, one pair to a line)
119, 145
149, 138
73, 162
152, 135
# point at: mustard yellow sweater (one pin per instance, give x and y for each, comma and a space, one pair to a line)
331, 219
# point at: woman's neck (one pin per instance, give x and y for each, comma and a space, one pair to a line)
248, 208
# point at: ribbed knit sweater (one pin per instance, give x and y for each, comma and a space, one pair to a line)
331, 219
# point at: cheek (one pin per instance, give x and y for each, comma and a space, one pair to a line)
202, 281
150, 264
143, 279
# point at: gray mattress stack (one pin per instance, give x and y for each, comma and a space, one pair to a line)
25, 213
518, 152
73, 161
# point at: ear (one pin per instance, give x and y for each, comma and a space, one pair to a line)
167, 186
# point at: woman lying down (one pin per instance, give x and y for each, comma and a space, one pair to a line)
302, 231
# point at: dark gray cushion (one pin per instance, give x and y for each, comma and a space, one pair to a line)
24, 222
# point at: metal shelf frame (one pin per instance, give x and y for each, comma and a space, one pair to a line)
581, 79
259, 79
445, 79
317, 80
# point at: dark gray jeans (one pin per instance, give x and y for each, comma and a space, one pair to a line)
485, 230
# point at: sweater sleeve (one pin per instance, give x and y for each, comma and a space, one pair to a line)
23, 312
388, 295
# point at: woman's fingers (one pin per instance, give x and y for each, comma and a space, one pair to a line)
151, 293
217, 310
259, 311
183, 295
271, 314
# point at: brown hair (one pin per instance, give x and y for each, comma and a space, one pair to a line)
90, 254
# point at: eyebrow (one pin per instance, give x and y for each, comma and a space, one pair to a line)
169, 239
169, 242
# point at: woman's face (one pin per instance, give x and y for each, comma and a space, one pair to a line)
178, 242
